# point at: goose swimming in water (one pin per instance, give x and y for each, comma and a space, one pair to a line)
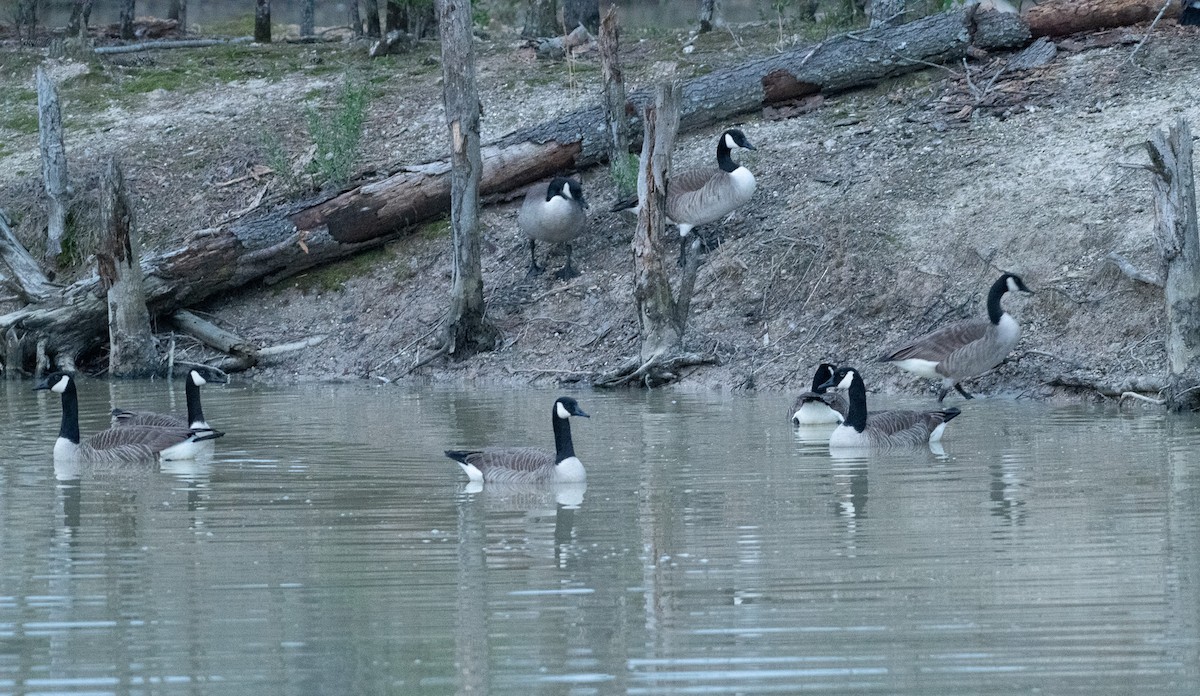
127, 444
819, 405
964, 349
529, 464
882, 429
195, 412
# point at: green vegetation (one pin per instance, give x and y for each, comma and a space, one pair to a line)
337, 135
435, 229
625, 174
333, 278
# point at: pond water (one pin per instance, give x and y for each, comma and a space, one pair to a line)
329, 547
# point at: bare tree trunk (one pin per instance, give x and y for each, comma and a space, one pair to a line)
466, 330
662, 317
615, 117
886, 13
262, 21
131, 342
353, 18
308, 18
54, 161
178, 12
395, 17
371, 7
1175, 208
81, 11
710, 15
26, 19
126, 19
541, 19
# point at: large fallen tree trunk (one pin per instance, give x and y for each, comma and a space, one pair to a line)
307, 234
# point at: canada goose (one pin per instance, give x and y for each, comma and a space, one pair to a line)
882, 429
700, 196
703, 195
529, 464
126, 444
820, 405
967, 348
553, 214
1190, 13
195, 412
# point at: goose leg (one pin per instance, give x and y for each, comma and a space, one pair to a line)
567, 271
962, 391
534, 268
683, 245
942, 394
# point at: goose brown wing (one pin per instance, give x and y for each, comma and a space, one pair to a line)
157, 420
517, 459
689, 180
905, 428
936, 346
154, 438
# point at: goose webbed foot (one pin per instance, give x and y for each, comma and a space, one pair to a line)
534, 271
567, 272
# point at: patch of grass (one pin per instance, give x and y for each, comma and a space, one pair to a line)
333, 278
625, 174
435, 229
170, 79
337, 135
21, 118
241, 25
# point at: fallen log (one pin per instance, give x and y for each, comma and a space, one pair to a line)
1063, 17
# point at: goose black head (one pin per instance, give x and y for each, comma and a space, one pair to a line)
568, 189
56, 382
734, 137
824, 373
565, 407
842, 379
1013, 283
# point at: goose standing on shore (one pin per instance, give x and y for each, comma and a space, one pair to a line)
195, 412
529, 464
882, 429
964, 349
121, 445
819, 405
704, 194
553, 213
700, 196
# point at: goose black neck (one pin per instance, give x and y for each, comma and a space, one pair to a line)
195, 411
724, 159
563, 447
998, 289
856, 413
70, 414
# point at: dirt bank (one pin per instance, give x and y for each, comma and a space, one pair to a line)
879, 215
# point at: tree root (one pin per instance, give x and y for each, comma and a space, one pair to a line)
659, 370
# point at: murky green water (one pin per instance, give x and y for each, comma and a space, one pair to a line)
329, 547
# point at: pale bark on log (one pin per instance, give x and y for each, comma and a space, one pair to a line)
214, 336
886, 13
1175, 220
131, 341
54, 161
176, 43
23, 276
